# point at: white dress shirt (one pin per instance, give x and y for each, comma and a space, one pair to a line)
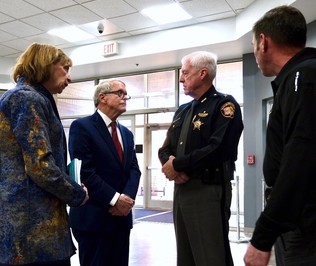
107, 121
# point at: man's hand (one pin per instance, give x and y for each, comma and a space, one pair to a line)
256, 257
115, 211
123, 206
168, 169
181, 178
87, 194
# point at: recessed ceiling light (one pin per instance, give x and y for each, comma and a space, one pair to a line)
166, 14
71, 34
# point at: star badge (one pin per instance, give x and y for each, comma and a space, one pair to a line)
197, 124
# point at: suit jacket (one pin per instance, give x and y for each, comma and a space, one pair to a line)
102, 173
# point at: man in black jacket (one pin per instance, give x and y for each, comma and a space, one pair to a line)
289, 218
199, 155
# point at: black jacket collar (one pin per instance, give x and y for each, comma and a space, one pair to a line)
303, 55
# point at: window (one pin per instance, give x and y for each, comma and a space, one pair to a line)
228, 80
76, 100
152, 90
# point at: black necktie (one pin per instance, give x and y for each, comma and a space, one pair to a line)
185, 130
116, 141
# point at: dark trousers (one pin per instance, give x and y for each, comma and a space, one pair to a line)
103, 249
296, 248
201, 215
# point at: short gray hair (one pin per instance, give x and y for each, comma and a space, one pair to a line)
103, 87
202, 59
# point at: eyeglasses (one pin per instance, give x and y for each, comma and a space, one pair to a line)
120, 93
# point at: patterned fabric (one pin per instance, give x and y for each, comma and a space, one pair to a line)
34, 187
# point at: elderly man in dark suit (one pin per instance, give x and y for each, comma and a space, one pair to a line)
111, 173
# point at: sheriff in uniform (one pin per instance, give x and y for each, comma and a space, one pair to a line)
199, 154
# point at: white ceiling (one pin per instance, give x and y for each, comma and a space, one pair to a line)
221, 26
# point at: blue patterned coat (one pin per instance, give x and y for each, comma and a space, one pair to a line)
34, 186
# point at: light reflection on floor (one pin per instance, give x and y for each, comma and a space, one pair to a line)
153, 244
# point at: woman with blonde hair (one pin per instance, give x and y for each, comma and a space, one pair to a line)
34, 186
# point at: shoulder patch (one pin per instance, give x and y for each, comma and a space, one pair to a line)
228, 110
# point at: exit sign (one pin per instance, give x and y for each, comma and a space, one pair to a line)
110, 48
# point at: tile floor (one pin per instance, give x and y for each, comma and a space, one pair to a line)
153, 244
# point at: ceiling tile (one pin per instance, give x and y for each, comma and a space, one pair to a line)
5, 50
76, 15
20, 29
49, 5
46, 38
5, 18
18, 8
239, 4
200, 8
141, 4
83, 1
222, 15
134, 21
5, 36
110, 8
21, 45
45, 22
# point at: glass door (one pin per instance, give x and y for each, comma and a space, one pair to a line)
159, 189
155, 190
